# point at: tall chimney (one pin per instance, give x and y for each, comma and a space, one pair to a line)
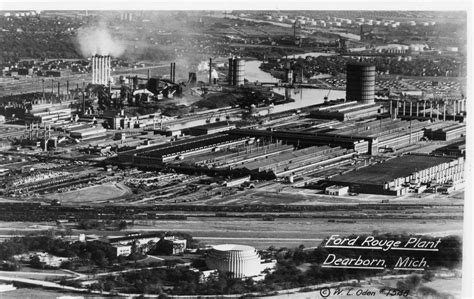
103, 68
174, 72
83, 103
92, 68
210, 71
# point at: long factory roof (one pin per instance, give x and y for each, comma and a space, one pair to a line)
391, 169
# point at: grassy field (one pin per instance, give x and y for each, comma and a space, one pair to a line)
283, 232
292, 232
92, 194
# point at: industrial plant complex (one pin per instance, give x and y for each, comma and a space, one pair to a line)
202, 146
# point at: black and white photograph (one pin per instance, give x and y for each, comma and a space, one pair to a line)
229, 149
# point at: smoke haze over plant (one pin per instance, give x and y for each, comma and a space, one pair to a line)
97, 40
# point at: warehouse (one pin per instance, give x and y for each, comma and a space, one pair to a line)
56, 114
211, 128
357, 143
347, 111
178, 150
446, 133
398, 175
457, 149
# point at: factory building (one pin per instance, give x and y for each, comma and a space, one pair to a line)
296, 162
399, 175
236, 71
386, 134
100, 69
48, 113
445, 109
239, 260
358, 144
446, 132
347, 111
211, 128
457, 149
360, 86
178, 150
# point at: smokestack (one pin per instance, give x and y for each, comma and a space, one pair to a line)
109, 68
93, 69
101, 69
210, 71
173, 72
83, 103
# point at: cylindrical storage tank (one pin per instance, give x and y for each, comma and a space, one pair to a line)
360, 84
239, 72
240, 260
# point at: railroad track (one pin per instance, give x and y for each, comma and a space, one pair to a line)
23, 211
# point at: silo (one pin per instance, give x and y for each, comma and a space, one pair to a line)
239, 72
360, 84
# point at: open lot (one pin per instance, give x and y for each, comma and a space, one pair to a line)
282, 232
291, 232
35, 293
279, 193
92, 194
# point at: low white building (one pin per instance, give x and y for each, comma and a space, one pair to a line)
337, 190
122, 250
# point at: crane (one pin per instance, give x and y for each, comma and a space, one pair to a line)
326, 98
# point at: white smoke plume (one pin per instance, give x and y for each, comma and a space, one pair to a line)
203, 66
97, 40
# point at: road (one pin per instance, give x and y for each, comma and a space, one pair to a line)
20, 273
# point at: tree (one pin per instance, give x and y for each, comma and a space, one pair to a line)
35, 262
122, 225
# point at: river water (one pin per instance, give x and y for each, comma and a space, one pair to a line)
303, 96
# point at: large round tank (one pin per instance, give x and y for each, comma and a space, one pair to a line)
240, 260
239, 72
360, 85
